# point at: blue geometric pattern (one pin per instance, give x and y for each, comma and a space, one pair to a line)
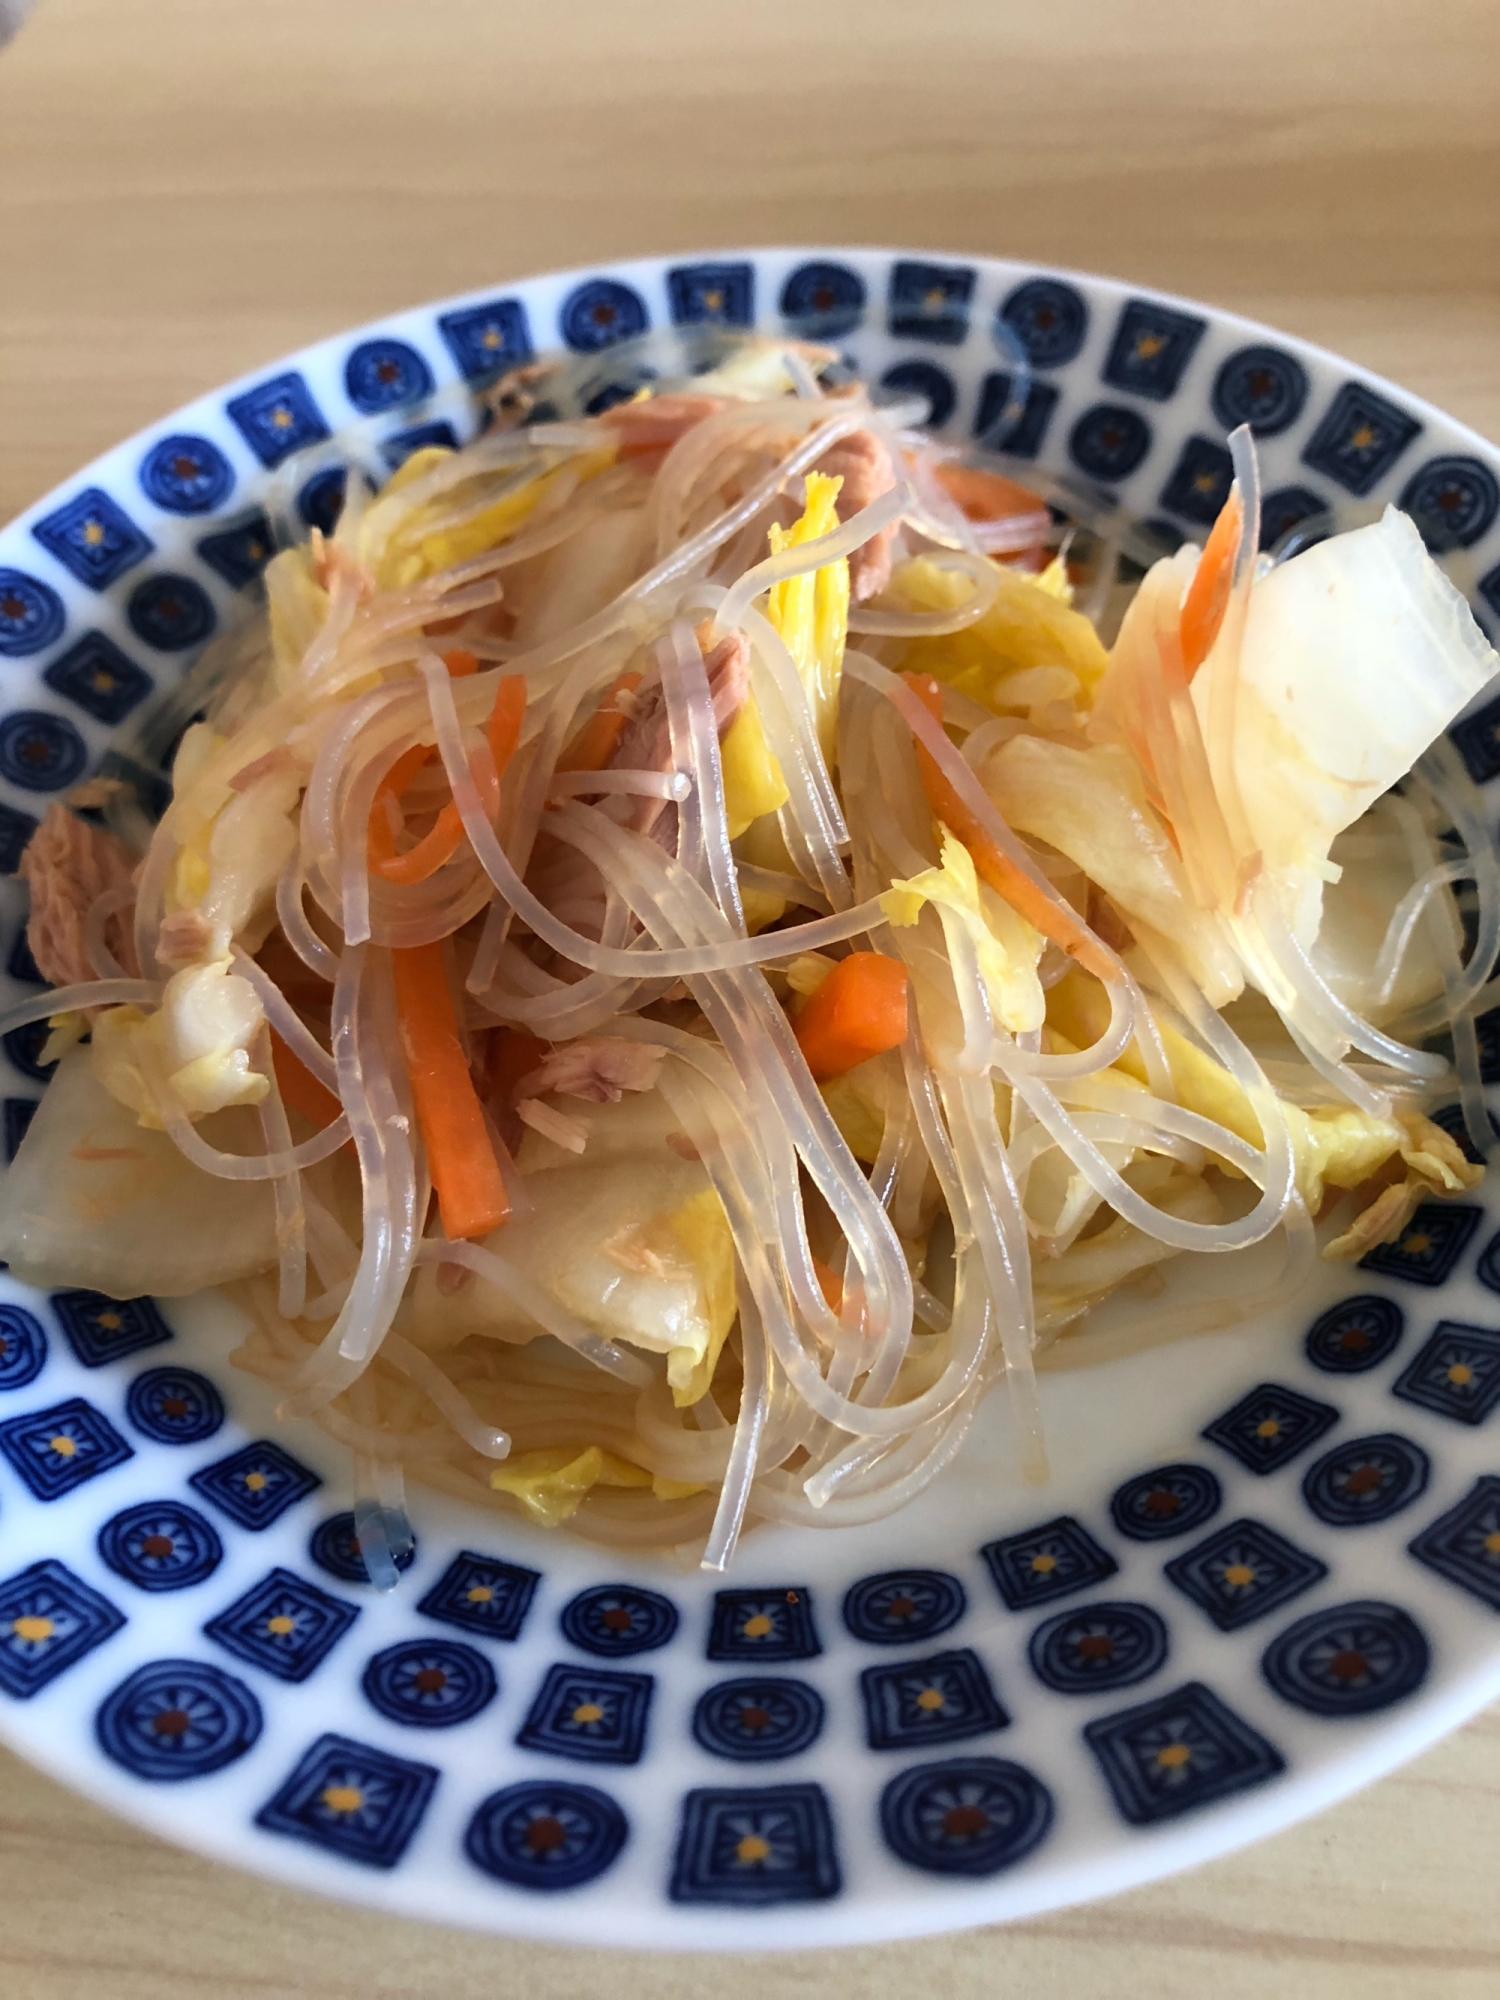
1151, 348
617, 1619
482, 1594
1242, 1572
1098, 1646
1359, 439
545, 1835
1366, 1479
23, 1347
17, 1113
1354, 1335
927, 380
161, 1545
20, 964
753, 1721
1456, 1373
600, 312
256, 1484
356, 1801
16, 828
1429, 1246
1172, 1500
755, 1845
1269, 1426
278, 417
24, 1045
1046, 1562
596, 1714
763, 1625
1183, 1750
321, 500
429, 1683
903, 1605
1350, 1659
104, 681
31, 614
284, 1624
1453, 502
937, 1700
48, 1619
1488, 587
240, 553
177, 1719
1287, 508
930, 301
1109, 441
55, 1450
1025, 435
171, 613
93, 538
40, 752
823, 300
186, 475
485, 339
383, 374
399, 446
1049, 318
712, 294
965, 1815
101, 1330
1200, 481
174, 1406
1464, 1544
334, 1546
1262, 387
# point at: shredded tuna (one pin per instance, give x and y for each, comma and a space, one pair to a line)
646, 741
279, 759
657, 423
331, 561
599, 1069
683, 1146
68, 865
183, 937
570, 1133
864, 465
631, 1249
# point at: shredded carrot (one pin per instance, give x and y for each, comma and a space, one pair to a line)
829, 1285
991, 864
446, 836
512, 1054
986, 496
1208, 594
859, 1011
299, 1087
599, 738
460, 1151
460, 663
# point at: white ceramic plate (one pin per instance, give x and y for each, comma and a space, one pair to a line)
1267, 1567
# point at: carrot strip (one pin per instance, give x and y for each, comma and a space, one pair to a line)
446, 836
991, 864
460, 1152
1208, 594
984, 495
299, 1087
859, 1011
599, 738
829, 1284
460, 663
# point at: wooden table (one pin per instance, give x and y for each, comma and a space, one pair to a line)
191, 187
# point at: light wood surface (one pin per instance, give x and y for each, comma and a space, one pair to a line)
190, 187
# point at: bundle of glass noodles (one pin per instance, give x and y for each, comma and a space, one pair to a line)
690, 941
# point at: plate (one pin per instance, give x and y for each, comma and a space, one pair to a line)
1267, 1567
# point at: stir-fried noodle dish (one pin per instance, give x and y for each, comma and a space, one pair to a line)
687, 940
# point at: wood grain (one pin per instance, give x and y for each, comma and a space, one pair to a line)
190, 187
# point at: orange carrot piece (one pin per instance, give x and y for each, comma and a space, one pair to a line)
1208, 594
859, 1011
299, 1088
460, 663
503, 730
986, 496
829, 1285
599, 738
460, 1152
991, 864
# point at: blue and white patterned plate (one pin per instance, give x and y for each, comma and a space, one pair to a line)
1267, 1568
